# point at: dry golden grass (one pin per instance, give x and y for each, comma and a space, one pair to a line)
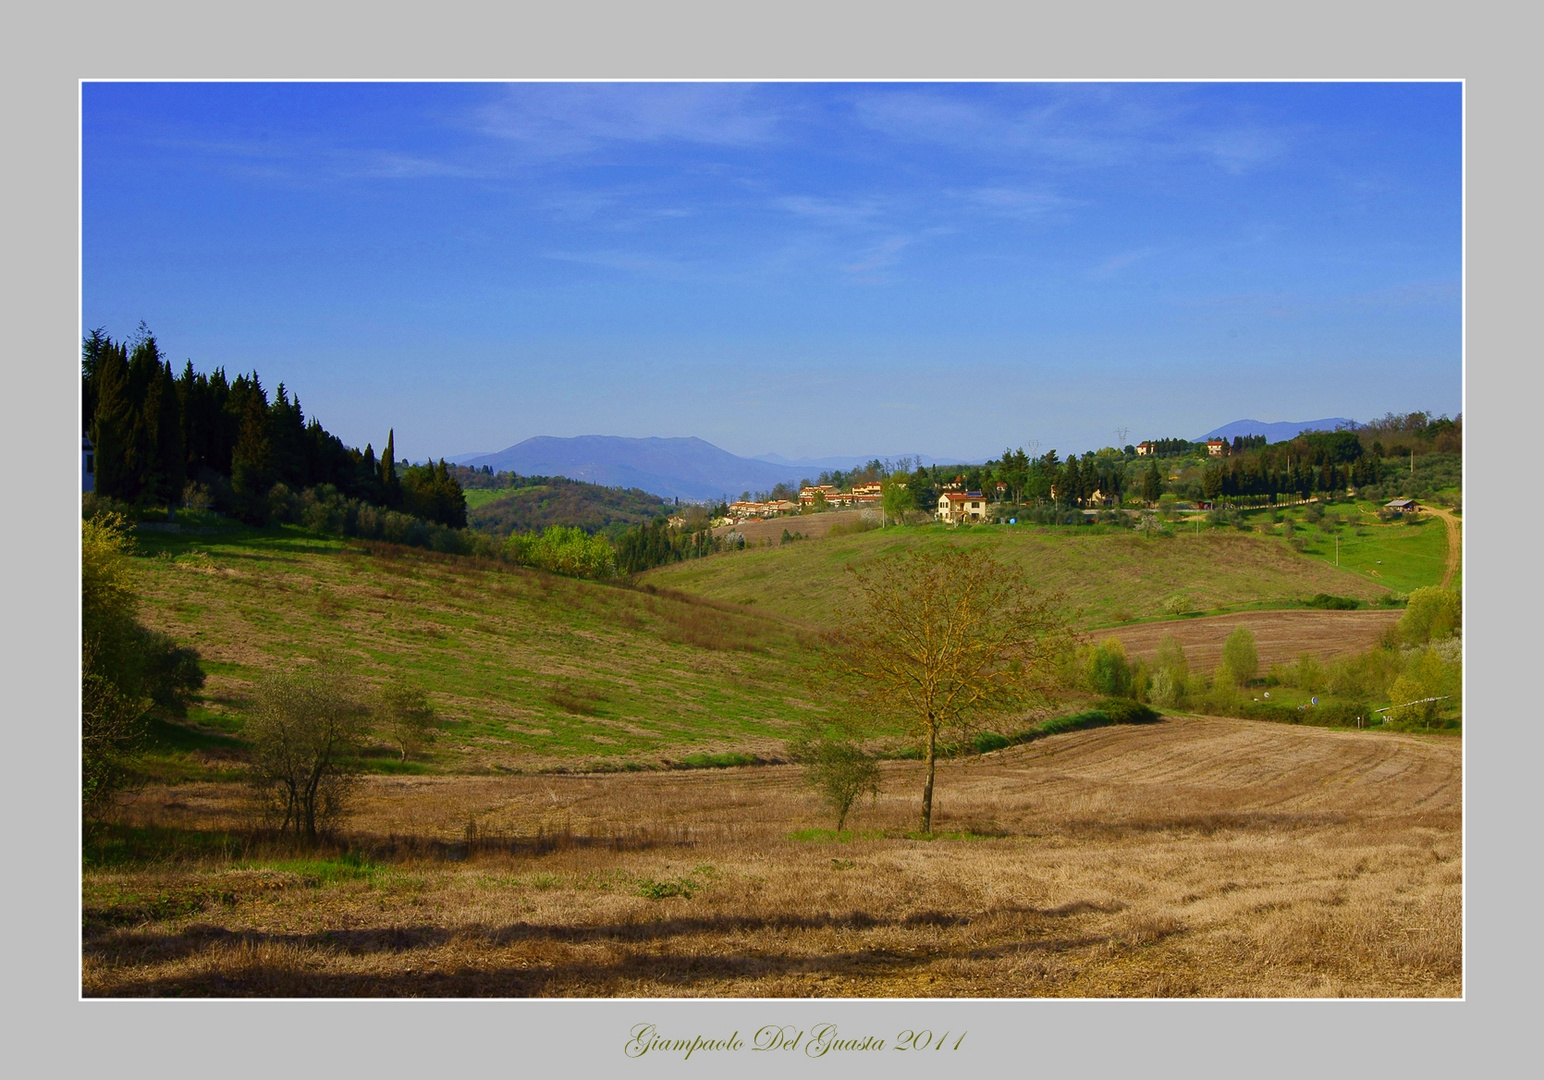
1192, 857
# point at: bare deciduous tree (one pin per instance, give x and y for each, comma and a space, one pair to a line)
938, 637
305, 729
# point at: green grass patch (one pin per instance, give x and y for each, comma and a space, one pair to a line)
318, 873
716, 761
113, 846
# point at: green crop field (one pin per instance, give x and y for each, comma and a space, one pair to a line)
476, 497
1107, 576
528, 668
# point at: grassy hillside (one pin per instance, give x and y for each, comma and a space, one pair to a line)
1107, 576
528, 667
1400, 557
559, 501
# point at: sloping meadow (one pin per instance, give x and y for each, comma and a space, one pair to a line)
525, 667
1106, 576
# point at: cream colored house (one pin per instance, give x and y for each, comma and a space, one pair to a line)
957, 506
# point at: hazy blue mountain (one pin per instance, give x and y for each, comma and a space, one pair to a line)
826, 464
673, 468
1274, 433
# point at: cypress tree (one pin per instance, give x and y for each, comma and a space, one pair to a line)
170, 458
112, 422
252, 472
1152, 483
391, 487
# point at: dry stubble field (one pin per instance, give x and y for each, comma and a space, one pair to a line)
1192, 857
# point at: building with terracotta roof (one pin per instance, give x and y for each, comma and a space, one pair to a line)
957, 506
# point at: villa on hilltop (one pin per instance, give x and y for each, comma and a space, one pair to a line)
957, 506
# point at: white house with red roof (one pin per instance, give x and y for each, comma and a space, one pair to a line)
957, 506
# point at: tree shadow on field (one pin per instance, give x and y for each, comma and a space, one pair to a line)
260, 964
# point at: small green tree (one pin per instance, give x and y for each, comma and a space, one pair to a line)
1107, 672
1431, 614
895, 498
407, 717
1170, 673
836, 767
1168, 506
1240, 659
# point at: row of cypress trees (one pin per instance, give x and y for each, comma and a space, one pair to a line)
154, 432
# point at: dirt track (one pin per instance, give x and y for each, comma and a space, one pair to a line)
1280, 636
1455, 542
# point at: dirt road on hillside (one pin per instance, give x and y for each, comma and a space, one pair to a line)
1455, 544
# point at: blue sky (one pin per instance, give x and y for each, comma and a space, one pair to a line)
807, 269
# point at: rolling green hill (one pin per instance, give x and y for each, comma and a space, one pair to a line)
560, 501
1107, 576
529, 668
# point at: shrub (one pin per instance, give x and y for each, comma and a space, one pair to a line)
1333, 603
126, 668
1426, 676
1432, 613
1106, 670
836, 767
563, 549
1125, 711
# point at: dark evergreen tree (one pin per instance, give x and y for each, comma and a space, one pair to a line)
112, 423
391, 488
1152, 483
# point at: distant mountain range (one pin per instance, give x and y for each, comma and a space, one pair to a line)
1277, 432
698, 471
826, 464
673, 468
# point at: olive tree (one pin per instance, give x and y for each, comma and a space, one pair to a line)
937, 637
306, 729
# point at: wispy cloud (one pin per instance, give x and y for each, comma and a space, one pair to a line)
631, 261
1116, 263
554, 119
1073, 125
883, 254
1015, 202
849, 213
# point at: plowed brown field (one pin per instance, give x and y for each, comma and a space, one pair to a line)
1192, 857
1280, 636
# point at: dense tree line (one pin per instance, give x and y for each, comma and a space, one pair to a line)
657, 543
1175, 447
1314, 461
156, 433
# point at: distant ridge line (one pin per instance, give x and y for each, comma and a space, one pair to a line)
1280, 431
